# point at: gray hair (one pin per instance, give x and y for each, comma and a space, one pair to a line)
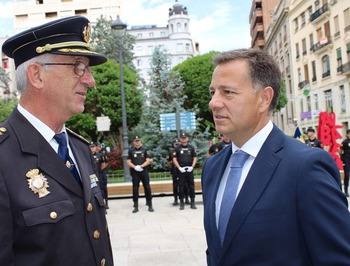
21, 76
264, 70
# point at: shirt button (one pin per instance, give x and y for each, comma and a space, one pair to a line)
53, 215
96, 234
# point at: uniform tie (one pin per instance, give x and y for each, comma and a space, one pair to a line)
229, 197
63, 153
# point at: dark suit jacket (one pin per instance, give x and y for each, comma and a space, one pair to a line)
290, 210
66, 227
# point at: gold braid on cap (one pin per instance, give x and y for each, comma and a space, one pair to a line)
49, 47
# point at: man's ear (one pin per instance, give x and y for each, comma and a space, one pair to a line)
34, 74
266, 98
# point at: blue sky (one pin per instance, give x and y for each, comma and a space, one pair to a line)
218, 25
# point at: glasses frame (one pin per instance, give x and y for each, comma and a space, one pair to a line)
75, 65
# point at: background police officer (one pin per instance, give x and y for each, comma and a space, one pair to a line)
173, 170
345, 156
312, 141
138, 160
185, 158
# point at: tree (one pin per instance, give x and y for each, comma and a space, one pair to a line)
6, 107
196, 73
4, 81
165, 96
106, 100
106, 43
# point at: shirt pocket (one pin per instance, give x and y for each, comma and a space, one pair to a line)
48, 214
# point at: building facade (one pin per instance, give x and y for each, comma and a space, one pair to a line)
175, 38
320, 45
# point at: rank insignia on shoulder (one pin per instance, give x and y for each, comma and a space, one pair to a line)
37, 182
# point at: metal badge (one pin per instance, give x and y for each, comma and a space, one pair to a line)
87, 33
37, 182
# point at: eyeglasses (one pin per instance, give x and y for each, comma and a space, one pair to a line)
79, 67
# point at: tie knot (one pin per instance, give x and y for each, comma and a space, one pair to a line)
238, 158
61, 139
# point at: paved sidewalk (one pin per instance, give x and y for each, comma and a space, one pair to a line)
166, 237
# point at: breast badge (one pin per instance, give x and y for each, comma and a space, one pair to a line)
37, 183
93, 180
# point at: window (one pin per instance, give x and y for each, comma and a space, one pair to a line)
304, 46
297, 50
178, 27
180, 47
326, 66
328, 100
342, 99
139, 35
139, 62
336, 26
348, 51
299, 75
313, 65
151, 34
339, 60
162, 33
188, 47
311, 39
296, 26
316, 101
303, 20
308, 102
347, 19
150, 49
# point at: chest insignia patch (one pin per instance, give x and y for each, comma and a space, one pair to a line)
37, 182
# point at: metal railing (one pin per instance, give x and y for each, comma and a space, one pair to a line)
158, 176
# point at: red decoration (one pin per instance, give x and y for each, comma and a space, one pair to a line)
328, 134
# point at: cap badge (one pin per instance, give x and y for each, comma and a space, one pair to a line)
87, 32
37, 183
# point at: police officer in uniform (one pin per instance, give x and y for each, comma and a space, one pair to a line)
312, 141
102, 164
174, 172
51, 208
185, 159
345, 156
225, 142
138, 160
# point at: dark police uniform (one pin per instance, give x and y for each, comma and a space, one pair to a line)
138, 156
185, 156
101, 158
174, 172
46, 217
221, 145
345, 156
315, 143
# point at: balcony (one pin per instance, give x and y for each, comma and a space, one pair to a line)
326, 74
324, 44
302, 84
320, 14
344, 69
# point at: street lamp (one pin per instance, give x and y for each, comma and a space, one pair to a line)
118, 29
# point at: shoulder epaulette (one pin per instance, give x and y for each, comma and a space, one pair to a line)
78, 136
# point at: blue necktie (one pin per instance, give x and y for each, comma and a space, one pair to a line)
229, 197
63, 153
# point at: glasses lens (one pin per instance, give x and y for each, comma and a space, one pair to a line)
79, 68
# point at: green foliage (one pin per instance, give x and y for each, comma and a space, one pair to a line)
106, 100
106, 43
6, 107
283, 97
4, 81
196, 73
165, 95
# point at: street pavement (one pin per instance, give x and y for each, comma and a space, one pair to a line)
168, 236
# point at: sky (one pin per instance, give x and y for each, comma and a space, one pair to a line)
218, 25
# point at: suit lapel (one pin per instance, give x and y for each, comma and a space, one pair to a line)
31, 141
255, 184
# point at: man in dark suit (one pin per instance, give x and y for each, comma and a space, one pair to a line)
288, 208
51, 206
